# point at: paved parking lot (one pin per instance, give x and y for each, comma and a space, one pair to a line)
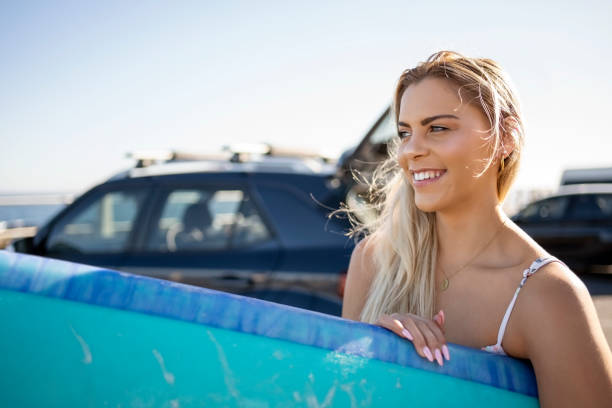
600, 286
603, 304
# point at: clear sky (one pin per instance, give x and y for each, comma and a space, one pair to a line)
84, 82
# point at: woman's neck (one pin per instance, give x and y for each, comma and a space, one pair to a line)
461, 236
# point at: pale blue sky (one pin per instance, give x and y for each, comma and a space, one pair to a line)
82, 83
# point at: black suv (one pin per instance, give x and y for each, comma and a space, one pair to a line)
575, 224
251, 222
257, 227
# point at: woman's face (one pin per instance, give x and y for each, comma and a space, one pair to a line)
445, 144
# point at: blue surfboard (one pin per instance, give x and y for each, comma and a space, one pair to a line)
80, 336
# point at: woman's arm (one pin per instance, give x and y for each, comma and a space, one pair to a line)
358, 280
564, 340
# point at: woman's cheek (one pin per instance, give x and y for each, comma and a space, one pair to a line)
402, 159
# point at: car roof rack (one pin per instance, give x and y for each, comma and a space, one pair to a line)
266, 149
146, 158
235, 153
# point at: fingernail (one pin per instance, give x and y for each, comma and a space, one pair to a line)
439, 357
407, 334
445, 352
427, 353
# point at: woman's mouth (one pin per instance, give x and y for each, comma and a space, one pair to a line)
426, 177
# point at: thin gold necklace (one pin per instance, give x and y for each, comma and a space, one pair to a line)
445, 282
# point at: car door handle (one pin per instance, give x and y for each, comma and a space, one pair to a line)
253, 278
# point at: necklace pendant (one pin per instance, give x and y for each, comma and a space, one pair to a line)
444, 284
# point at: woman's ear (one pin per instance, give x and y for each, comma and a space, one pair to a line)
509, 136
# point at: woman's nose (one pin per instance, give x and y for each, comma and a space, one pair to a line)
414, 147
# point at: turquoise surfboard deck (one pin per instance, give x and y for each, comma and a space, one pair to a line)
80, 336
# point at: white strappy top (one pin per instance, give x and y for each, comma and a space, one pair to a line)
537, 264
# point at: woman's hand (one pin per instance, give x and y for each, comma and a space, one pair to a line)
426, 335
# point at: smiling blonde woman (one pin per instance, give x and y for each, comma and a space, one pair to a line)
442, 262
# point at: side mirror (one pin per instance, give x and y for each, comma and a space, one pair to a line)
24, 245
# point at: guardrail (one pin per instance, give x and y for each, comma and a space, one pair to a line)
36, 199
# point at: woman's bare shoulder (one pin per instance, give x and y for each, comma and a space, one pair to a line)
552, 284
553, 288
558, 318
359, 278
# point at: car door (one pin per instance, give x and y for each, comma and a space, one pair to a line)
206, 230
99, 228
315, 252
590, 220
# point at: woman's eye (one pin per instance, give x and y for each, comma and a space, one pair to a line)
403, 134
438, 128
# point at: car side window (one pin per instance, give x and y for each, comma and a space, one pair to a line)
206, 219
604, 202
591, 207
300, 220
550, 209
101, 226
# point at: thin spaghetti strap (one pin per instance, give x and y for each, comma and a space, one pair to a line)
537, 264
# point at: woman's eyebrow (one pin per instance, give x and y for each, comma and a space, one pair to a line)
429, 120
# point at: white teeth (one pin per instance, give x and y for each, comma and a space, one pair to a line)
424, 175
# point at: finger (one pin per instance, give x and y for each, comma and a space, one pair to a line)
434, 338
445, 352
440, 322
440, 318
395, 325
437, 336
419, 340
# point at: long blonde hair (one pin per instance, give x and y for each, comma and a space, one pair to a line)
404, 238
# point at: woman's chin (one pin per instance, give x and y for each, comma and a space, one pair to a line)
427, 206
